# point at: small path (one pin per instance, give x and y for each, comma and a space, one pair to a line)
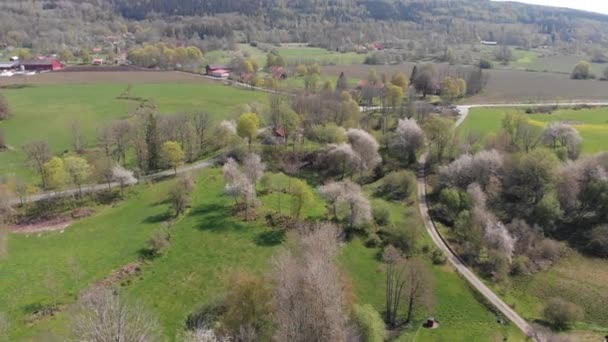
99, 187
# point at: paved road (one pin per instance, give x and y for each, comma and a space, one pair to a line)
505, 309
99, 187
457, 263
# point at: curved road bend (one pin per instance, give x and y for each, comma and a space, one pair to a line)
457, 263
505, 309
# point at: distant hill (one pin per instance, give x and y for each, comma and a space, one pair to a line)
333, 24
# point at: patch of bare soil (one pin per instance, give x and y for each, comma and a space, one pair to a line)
122, 274
56, 224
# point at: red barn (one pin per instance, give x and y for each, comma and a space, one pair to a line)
43, 64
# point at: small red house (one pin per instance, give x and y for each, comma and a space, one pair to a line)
43, 64
213, 69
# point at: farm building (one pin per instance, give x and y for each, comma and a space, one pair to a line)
4, 66
98, 61
43, 64
491, 43
278, 72
218, 70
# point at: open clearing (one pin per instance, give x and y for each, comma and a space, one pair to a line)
591, 123
48, 111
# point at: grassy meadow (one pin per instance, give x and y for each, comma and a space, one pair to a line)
207, 244
591, 123
47, 112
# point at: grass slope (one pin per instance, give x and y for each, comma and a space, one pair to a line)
47, 112
85, 253
207, 244
462, 317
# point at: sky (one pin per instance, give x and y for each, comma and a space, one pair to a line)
600, 6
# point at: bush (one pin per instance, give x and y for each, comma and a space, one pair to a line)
382, 215
438, 257
2, 140
560, 313
4, 109
598, 241
398, 185
485, 64
373, 240
582, 71
327, 134
402, 237
158, 243
369, 322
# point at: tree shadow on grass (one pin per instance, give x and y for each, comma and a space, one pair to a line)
217, 218
166, 216
270, 238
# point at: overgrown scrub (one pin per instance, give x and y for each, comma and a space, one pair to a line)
398, 185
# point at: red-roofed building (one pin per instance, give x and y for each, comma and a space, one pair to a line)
212, 69
43, 64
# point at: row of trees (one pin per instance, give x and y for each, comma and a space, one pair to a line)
164, 56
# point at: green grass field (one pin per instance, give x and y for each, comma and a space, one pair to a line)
462, 317
47, 112
42, 266
591, 123
207, 243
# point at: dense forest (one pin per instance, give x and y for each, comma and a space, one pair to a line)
333, 24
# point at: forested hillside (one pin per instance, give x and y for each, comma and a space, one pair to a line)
430, 25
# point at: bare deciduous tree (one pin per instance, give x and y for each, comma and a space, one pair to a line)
201, 125
309, 297
103, 316
78, 139
38, 153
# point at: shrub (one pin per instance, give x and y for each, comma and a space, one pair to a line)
4, 109
560, 313
582, 71
438, 257
369, 322
158, 243
2, 140
485, 64
398, 185
402, 237
598, 241
382, 215
373, 240
327, 134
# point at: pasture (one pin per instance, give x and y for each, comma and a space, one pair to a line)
207, 243
42, 111
591, 123
293, 54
